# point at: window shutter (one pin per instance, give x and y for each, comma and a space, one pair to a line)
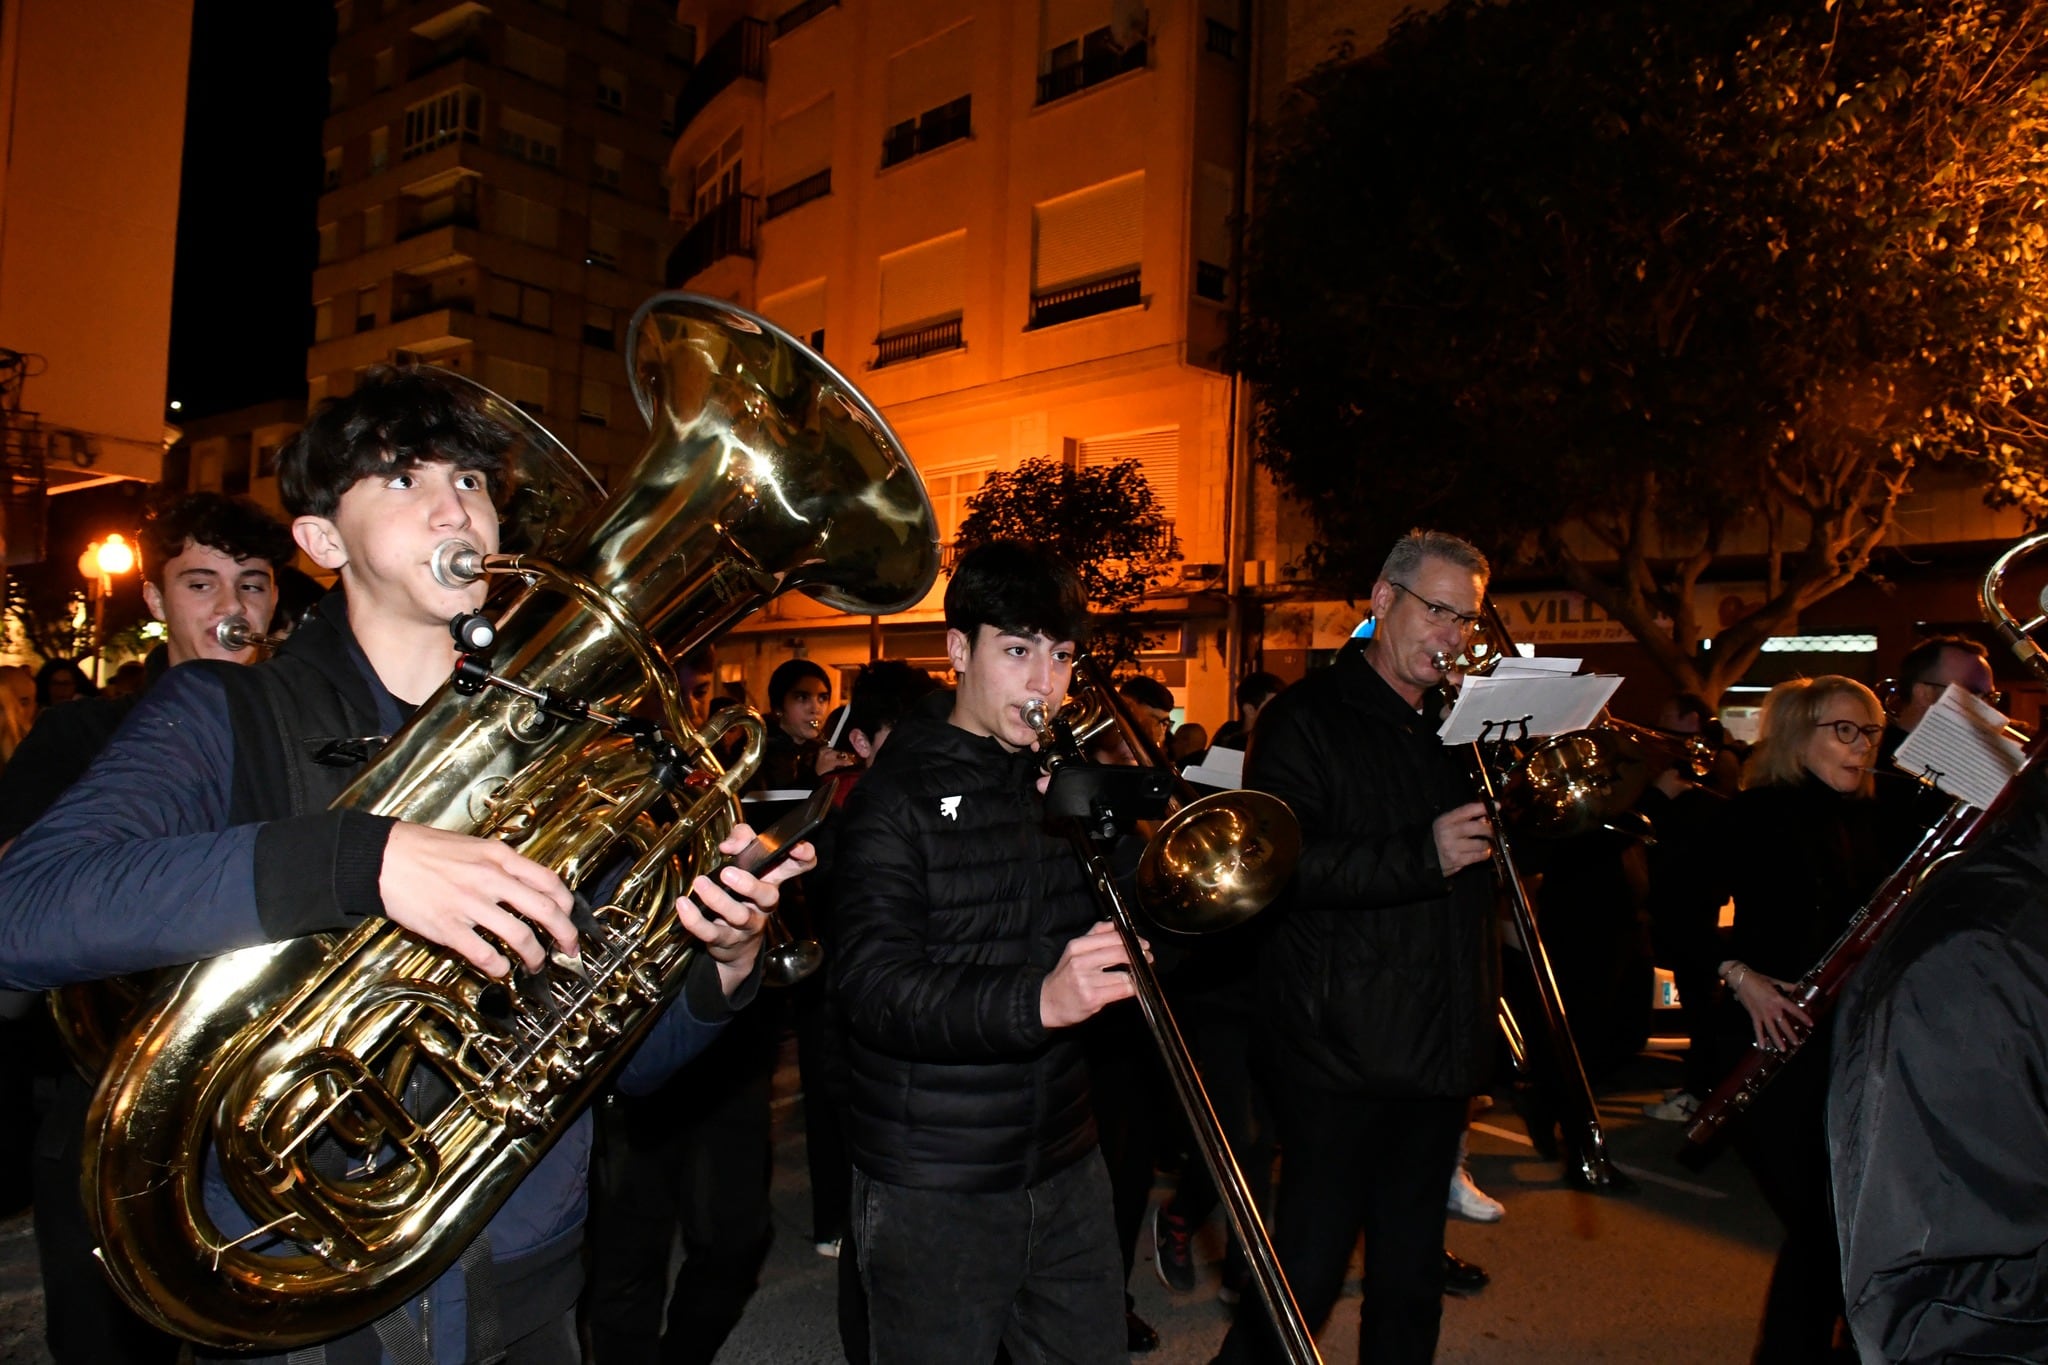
924, 283
1067, 20
1095, 232
799, 311
936, 71
1157, 451
800, 144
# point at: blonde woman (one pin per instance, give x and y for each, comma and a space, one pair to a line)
1802, 852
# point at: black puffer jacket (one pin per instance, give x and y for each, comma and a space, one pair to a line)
1381, 975
953, 901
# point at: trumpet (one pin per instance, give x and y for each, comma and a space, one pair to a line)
1216, 861
236, 633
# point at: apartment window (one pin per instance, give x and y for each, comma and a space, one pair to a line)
923, 290
529, 139
380, 150
387, 68
611, 90
1215, 202
337, 92
373, 226
526, 385
330, 172
800, 312
600, 327
526, 304
446, 199
949, 489
1086, 42
330, 242
800, 156
529, 220
432, 123
608, 167
928, 86
533, 58
1157, 451
596, 404
614, 15
366, 309
1085, 251
604, 245
718, 176
323, 320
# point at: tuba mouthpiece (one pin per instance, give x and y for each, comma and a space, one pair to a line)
457, 564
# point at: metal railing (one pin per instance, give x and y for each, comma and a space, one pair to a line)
802, 192
935, 127
1221, 39
1072, 301
1093, 68
727, 230
741, 53
918, 342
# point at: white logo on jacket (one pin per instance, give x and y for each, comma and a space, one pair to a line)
949, 806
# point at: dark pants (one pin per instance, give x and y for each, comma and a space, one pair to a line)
1782, 1139
821, 1059
1124, 1086
1350, 1162
1220, 1038
693, 1159
84, 1320
951, 1276
554, 1343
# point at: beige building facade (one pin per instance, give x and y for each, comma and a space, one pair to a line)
1009, 222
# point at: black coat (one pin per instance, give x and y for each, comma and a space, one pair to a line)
1938, 1114
1381, 974
953, 901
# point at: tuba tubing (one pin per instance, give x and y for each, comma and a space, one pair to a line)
765, 471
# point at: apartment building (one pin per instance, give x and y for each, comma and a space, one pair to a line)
1010, 223
494, 200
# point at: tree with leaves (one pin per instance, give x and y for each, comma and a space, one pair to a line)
1630, 292
1103, 520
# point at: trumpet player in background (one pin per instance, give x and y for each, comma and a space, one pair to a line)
205, 557
204, 827
1382, 970
968, 949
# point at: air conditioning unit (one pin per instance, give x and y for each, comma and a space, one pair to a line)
1202, 573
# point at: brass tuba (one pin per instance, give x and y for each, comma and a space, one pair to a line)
372, 1100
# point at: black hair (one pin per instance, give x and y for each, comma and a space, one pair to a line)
1020, 589
397, 418
51, 668
240, 530
1256, 689
1692, 704
1922, 659
1147, 692
884, 692
703, 660
786, 676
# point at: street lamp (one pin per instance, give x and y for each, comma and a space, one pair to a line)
101, 562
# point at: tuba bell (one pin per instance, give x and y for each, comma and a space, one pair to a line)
371, 1100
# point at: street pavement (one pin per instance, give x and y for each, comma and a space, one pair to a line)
1671, 1275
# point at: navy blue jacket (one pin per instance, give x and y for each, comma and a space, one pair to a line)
137, 867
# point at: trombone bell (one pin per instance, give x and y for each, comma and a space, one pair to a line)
1218, 861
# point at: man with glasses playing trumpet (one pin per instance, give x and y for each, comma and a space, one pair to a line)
1382, 970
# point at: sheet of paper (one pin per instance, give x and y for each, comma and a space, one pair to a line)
1526, 708
1534, 666
1961, 747
1222, 769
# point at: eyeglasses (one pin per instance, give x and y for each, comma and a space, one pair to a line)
1848, 731
1992, 697
1436, 613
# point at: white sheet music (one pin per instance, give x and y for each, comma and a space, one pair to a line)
1529, 707
1219, 768
1961, 747
1534, 666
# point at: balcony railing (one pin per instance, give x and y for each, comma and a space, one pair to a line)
929, 339
464, 217
1072, 301
935, 127
727, 230
796, 16
801, 193
1093, 68
741, 53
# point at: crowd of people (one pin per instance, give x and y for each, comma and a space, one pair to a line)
985, 1121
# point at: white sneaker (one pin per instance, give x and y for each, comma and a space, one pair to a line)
1467, 1200
1676, 1108
829, 1250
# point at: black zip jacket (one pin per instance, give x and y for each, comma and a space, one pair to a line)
952, 901
1381, 973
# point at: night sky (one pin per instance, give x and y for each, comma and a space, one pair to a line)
241, 311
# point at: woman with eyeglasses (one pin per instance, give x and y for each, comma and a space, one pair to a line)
1803, 850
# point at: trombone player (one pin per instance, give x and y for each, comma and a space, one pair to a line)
1381, 973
